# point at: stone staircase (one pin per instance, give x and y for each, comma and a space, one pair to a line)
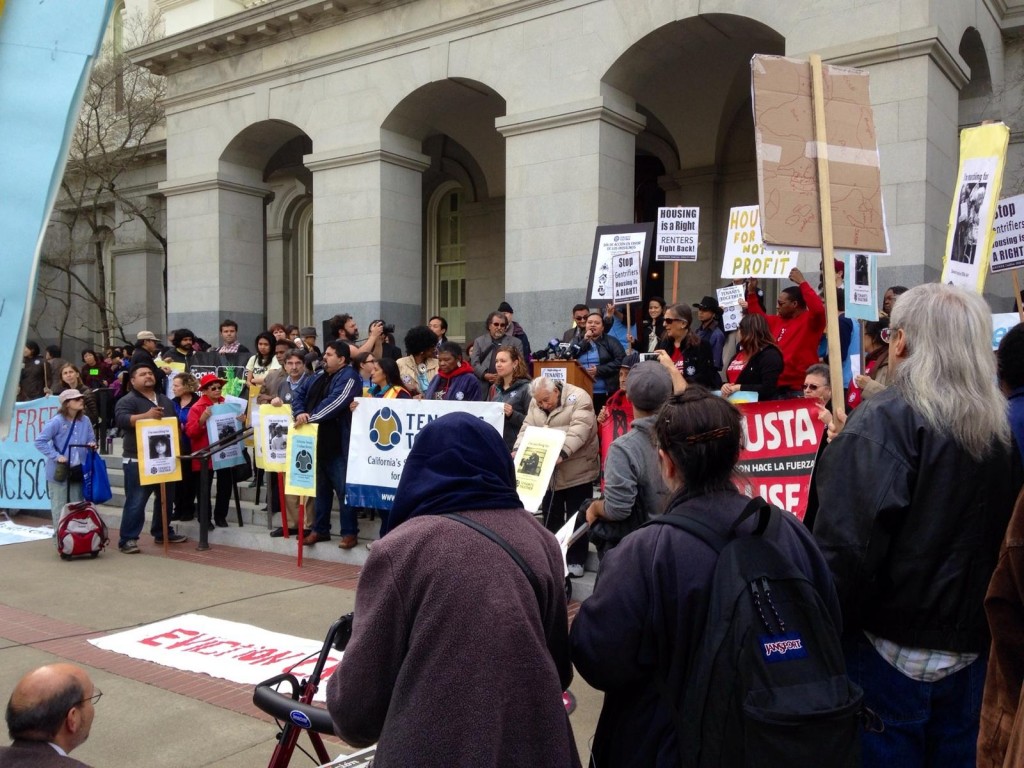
253, 533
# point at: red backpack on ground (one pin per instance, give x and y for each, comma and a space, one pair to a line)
81, 531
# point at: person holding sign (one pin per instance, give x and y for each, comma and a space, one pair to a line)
512, 390
915, 495
600, 356
142, 401
455, 379
324, 399
648, 335
210, 387
797, 329
690, 354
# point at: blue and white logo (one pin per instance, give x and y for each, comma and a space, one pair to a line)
300, 719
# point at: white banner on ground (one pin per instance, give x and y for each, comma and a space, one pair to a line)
12, 533
223, 649
383, 432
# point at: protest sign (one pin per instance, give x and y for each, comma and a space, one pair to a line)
1008, 247
224, 422
300, 479
176, 368
22, 467
230, 367
861, 283
626, 281
979, 179
781, 441
535, 461
227, 650
677, 234
1001, 325
787, 156
745, 252
729, 300
612, 241
383, 432
159, 449
274, 422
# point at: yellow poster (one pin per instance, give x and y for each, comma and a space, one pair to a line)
535, 461
300, 478
979, 180
159, 449
272, 436
254, 392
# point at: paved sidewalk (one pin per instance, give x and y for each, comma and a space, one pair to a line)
156, 716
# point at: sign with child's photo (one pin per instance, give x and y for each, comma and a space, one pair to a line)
159, 449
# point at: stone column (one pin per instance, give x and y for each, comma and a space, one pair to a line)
368, 232
216, 258
569, 169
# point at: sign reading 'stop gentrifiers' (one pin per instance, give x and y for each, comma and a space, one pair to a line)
1008, 248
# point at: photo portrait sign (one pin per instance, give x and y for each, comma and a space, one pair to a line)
970, 234
159, 449
223, 423
274, 423
861, 278
612, 241
535, 461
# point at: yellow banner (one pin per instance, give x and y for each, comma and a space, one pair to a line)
300, 479
275, 421
159, 449
979, 181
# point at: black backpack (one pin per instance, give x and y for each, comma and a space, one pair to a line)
767, 685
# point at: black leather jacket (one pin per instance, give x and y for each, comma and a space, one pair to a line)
911, 526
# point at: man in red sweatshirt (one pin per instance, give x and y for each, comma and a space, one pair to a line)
797, 329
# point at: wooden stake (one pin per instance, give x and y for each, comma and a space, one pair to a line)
163, 513
280, 503
1016, 296
302, 526
675, 282
835, 360
628, 321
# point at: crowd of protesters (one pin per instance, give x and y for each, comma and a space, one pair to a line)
912, 536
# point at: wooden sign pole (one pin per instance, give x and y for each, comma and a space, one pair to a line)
835, 361
675, 282
163, 513
302, 527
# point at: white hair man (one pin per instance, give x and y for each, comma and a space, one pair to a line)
566, 407
49, 714
915, 496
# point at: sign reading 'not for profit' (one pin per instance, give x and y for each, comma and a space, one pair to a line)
745, 251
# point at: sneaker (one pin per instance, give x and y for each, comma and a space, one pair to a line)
575, 570
172, 538
130, 547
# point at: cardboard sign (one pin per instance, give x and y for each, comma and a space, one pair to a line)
1008, 248
300, 478
781, 441
861, 284
159, 449
979, 180
787, 156
677, 234
612, 241
745, 252
535, 461
384, 431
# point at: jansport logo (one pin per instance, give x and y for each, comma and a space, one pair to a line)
385, 429
783, 647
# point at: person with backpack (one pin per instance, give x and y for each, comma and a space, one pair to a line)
667, 605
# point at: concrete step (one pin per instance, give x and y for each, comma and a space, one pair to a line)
254, 532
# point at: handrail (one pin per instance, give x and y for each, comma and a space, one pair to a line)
204, 482
224, 442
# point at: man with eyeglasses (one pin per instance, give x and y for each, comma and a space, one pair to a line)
579, 317
49, 714
486, 347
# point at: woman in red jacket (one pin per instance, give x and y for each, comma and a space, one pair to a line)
209, 394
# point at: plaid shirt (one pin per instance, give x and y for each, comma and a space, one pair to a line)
922, 664
228, 349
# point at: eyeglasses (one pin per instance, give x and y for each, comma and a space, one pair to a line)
885, 334
578, 318
500, 325
812, 387
95, 698
672, 320
214, 387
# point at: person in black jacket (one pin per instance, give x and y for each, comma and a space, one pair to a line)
758, 363
600, 355
688, 351
915, 494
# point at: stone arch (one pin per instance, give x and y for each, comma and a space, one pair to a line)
451, 122
701, 128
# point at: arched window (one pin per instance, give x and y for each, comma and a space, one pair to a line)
303, 260
447, 272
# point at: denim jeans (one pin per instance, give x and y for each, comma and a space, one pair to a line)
330, 482
133, 517
59, 497
925, 725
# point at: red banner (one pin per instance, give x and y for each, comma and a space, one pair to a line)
781, 442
